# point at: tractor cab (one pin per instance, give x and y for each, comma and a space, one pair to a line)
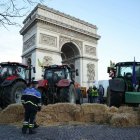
12, 70
124, 87
128, 71
54, 73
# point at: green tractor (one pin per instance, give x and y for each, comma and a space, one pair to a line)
124, 85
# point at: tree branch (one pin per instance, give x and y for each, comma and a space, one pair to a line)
11, 10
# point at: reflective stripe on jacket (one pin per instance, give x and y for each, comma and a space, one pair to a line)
31, 96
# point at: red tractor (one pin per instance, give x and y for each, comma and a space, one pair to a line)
14, 77
58, 85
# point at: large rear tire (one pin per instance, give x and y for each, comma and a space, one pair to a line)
68, 94
114, 98
79, 96
12, 94
108, 97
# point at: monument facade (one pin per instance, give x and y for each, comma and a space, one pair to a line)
52, 37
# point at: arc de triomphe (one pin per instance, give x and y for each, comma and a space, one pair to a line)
52, 37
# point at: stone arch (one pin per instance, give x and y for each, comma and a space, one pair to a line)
69, 52
48, 33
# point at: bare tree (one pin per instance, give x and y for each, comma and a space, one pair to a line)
12, 10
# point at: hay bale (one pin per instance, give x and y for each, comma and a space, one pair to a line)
64, 107
60, 112
46, 115
124, 120
12, 114
94, 108
125, 109
92, 113
113, 109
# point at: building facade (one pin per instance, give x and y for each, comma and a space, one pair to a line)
51, 37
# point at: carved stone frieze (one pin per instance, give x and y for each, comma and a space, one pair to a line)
90, 72
29, 43
67, 32
48, 40
90, 50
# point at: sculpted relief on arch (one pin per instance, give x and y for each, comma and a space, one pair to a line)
46, 61
91, 72
90, 50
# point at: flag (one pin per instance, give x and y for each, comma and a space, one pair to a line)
39, 63
134, 74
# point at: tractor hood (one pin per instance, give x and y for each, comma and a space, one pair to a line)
63, 83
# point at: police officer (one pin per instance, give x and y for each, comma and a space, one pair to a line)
31, 100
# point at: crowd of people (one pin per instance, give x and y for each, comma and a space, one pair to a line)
95, 95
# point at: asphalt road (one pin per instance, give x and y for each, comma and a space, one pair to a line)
72, 132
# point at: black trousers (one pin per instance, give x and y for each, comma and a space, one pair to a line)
30, 113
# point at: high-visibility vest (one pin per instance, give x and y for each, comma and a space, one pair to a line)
94, 92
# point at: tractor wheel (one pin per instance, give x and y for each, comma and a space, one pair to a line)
68, 94
79, 96
72, 94
114, 98
1, 103
108, 97
44, 98
12, 94
1, 98
80, 101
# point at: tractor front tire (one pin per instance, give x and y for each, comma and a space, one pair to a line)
12, 94
72, 94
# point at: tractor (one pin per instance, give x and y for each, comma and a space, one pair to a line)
58, 85
14, 77
124, 85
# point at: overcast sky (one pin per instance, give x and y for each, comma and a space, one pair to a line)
118, 23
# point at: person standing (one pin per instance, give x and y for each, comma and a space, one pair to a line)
94, 94
101, 94
89, 93
31, 100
